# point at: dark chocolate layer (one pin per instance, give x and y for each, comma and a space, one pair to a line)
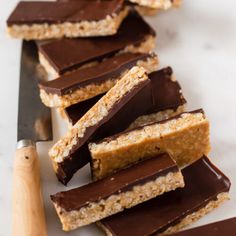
166, 95
116, 121
203, 182
117, 183
220, 228
39, 12
68, 54
109, 69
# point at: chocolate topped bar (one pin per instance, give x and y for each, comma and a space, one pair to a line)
109, 69
82, 84
220, 228
38, 20
205, 188
124, 189
166, 94
68, 54
117, 183
58, 12
107, 116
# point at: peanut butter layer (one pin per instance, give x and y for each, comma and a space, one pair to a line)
166, 92
65, 55
45, 20
206, 187
107, 116
157, 4
124, 189
86, 83
185, 137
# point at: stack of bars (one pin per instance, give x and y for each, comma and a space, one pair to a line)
127, 119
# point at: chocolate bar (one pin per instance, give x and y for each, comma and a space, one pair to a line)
124, 189
220, 228
60, 56
185, 137
89, 82
107, 116
205, 189
167, 95
47, 20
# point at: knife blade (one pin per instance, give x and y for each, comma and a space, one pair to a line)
34, 124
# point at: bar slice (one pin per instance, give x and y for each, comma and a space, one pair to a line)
63, 55
168, 101
185, 137
220, 228
107, 116
89, 82
205, 189
124, 189
34, 20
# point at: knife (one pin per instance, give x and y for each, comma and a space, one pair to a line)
34, 124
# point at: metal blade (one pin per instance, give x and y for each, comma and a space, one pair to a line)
34, 119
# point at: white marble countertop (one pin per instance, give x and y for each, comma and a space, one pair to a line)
199, 42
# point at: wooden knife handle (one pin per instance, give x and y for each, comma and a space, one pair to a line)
28, 210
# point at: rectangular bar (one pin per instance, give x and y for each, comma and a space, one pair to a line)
124, 189
107, 116
89, 82
205, 189
220, 228
46, 20
185, 137
63, 55
168, 101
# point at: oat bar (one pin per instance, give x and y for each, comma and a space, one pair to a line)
124, 189
107, 116
63, 55
47, 20
220, 228
185, 137
89, 82
168, 101
205, 189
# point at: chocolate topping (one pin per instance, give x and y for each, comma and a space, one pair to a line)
203, 182
166, 95
220, 228
39, 12
117, 183
67, 54
116, 121
108, 69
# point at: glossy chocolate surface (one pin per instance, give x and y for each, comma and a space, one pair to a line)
117, 183
109, 69
39, 12
166, 94
68, 54
203, 182
220, 228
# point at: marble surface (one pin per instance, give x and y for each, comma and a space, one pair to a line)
198, 41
